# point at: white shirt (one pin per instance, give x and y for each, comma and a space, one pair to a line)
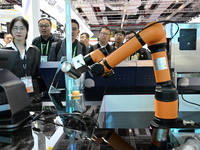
11, 44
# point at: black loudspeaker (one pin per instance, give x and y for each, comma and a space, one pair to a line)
14, 101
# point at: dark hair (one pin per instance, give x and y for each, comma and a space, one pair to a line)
105, 28
86, 34
24, 22
5, 34
120, 30
129, 32
45, 19
74, 21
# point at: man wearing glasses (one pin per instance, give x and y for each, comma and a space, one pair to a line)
46, 38
103, 39
59, 49
119, 38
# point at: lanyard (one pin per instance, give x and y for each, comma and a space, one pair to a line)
74, 53
24, 60
46, 48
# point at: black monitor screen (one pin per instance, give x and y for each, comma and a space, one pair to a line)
187, 39
7, 58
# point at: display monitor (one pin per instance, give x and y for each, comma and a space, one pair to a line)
188, 39
7, 58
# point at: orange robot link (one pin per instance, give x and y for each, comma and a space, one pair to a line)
156, 42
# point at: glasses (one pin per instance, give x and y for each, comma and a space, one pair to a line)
103, 33
82, 37
15, 29
43, 25
118, 34
74, 29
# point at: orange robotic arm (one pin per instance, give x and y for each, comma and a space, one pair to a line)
154, 37
102, 63
166, 96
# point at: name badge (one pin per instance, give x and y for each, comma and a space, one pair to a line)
28, 83
43, 58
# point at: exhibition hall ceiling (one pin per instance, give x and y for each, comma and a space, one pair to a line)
135, 14
131, 14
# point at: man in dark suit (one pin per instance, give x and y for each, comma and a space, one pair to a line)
103, 39
59, 49
46, 38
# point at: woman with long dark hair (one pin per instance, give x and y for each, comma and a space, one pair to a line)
27, 63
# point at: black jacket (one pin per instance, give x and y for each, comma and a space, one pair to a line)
33, 64
38, 40
96, 46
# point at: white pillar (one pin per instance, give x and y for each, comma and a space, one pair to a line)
31, 11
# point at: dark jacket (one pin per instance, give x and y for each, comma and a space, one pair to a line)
32, 65
38, 40
56, 55
96, 46
113, 46
144, 54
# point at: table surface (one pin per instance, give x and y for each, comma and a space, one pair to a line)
49, 133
